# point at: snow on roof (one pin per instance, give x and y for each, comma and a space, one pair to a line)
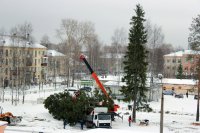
181, 53
114, 83
7, 42
37, 45
54, 53
110, 78
179, 81
109, 55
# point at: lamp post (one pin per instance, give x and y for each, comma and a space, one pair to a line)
189, 41
160, 76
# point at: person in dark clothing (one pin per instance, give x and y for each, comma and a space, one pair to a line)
187, 94
129, 120
64, 123
82, 122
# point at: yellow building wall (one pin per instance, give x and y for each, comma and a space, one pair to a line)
180, 88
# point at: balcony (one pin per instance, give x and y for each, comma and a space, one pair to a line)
43, 64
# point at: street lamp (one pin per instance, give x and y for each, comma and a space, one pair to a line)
189, 41
160, 76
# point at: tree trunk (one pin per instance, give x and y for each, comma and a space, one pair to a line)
134, 110
197, 113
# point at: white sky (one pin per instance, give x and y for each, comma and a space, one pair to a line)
174, 16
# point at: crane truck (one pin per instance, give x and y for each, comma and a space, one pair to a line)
100, 116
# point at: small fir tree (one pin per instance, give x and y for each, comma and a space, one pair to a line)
135, 64
180, 74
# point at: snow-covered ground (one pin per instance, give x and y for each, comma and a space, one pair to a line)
178, 118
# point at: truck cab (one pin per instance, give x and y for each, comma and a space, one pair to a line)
102, 120
99, 118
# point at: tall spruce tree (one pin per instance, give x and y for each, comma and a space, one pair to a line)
180, 72
135, 64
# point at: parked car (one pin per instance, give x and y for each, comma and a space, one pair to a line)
196, 97
168, 92
179, 96
64, 83
71, 89
88, 89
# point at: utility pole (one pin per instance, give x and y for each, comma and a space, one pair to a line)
198, 92
160, 76
55, 72
2, 60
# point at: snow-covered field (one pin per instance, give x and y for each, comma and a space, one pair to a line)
178, 118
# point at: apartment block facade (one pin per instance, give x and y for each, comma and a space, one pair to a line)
22, 62
56, 63
187, 58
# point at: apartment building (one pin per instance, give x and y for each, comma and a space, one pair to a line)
56, 63
22, 62
172, 61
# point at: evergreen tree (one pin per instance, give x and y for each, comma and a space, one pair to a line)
135, 64
64, 106
180, 72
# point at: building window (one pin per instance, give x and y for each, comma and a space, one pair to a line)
179, 60
168, 67
6, 61
35, 53
35, 61
191, 60
174, 60
168, 60
164, 88
179, 87
6, 52
186, 68
6, 71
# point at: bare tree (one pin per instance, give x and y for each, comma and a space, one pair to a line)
72, 35
2, 63
155, 40
119, 39
45, 41
21, 36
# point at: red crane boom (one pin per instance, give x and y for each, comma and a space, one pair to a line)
94, 75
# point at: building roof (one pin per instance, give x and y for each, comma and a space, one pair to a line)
7, 42
179, 81
54, 53
114, 83
109, 56
37, 45
111, 80
183, 52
